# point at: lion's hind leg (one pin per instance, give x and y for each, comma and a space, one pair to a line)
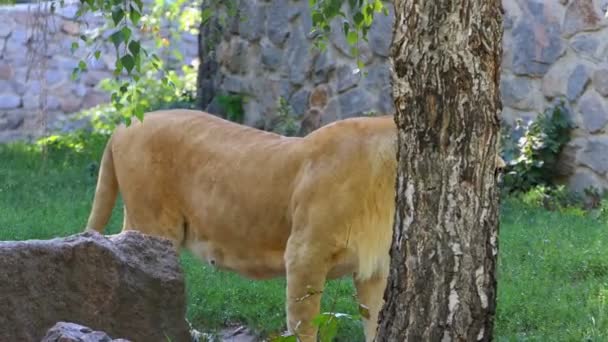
165, 223
307, 269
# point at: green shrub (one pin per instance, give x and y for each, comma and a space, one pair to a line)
532, 160
232, 105
551, 198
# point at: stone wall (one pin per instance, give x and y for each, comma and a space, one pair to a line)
19, 95
558, 50
266, 53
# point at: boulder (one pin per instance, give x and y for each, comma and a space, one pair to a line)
72, 332
536, 40
581, 15
128, 285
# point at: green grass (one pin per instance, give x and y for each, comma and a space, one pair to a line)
553, 267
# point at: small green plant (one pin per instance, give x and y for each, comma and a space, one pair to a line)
232, 104
552, 198
533, 159
285, 123
327, 323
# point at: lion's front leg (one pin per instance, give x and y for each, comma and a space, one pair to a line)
306, 274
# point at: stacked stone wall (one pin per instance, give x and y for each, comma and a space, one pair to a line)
21, 84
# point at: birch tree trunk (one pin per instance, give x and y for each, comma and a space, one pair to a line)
446, 56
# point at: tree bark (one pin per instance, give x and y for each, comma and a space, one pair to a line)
446, 57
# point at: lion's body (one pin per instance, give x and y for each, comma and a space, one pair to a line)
261, 204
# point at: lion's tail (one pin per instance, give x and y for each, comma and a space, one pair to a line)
105, 193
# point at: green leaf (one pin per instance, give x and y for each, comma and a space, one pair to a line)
139, 4
358, 18
97, 54
352, 37
117, 15
135, 15
128, 62
134, 47
117, 38
74, 74
82, 66
139, 112
126, 33
317, 18
178, 55
118, 67
74, 47
360, 64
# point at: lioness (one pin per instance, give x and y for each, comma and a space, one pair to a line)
262, 204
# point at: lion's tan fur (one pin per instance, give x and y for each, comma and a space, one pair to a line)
261, 204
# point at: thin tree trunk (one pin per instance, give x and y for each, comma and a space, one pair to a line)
446, 56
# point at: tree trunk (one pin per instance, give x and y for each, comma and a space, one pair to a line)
446, 56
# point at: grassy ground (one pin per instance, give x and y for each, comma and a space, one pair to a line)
553, 267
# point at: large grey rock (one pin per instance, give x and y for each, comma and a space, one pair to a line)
235, 56
584, 179
386, 103
271, 55
517, 92
7, 27
578, 80
377, 76
299, 59
299, 101
355, 102
55, 77
331, 112
567, 163
585, 45
305, 18
72, 332
594, 155
600, 81
10, 120
235, 84
380, 35
10, 101
555, 81
251, 23
6, 86
128, 285
6, 71
593, 112
347, 77
338, 39
537, 41
277, 24
581, 15
324, 63
33, 102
